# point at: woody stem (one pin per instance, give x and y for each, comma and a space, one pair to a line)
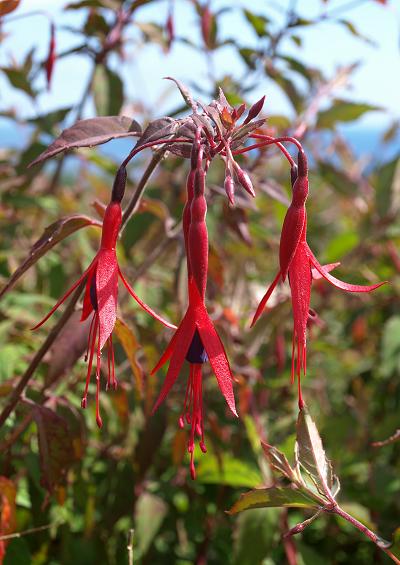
370, 534
18, 390
137, 195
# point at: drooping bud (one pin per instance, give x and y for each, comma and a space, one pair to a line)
254, 110
244, 180
302, 164
206, 26
51, 56
229, 186
300, 186
118, 189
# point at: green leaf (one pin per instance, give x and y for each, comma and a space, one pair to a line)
255, 535
337, 178
52, 235
108, 91
12, 360
285, 497
227, 471
343, 111
249, 56
340, 245
18, 553
387, 187
19, 80
259, 23
297, 66
150, 513
390, 349
310, 453
46, 122
354, 31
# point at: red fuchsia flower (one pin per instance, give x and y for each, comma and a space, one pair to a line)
298, 262
51, 57
196, 338
169, 25
100, 299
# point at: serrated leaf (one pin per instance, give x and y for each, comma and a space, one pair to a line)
52, 235
343, 111
89, 133
277, 497
130, 345
310, 452
108, 91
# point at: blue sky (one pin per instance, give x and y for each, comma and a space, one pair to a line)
327, 47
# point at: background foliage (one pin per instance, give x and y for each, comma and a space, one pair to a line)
93, 486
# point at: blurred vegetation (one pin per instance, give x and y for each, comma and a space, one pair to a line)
92, 487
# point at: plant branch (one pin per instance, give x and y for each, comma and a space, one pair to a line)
30, 531
129, 547
134, 202
362, 528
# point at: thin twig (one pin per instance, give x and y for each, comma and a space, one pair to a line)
362, 528
129, 547
30, 531
16, 433
134, 202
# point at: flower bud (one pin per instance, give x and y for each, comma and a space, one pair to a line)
244, 180
229, 186
118, 189
302, 164
254, 110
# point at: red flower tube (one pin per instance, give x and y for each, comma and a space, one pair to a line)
196, 338
299, 263
100, 298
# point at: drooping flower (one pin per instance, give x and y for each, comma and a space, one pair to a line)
196, 338
298, 262
51, 56
100, 299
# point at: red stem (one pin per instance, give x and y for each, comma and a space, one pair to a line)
152, 144
371, 535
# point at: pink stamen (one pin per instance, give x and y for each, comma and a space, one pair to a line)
98, 367
193, 412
